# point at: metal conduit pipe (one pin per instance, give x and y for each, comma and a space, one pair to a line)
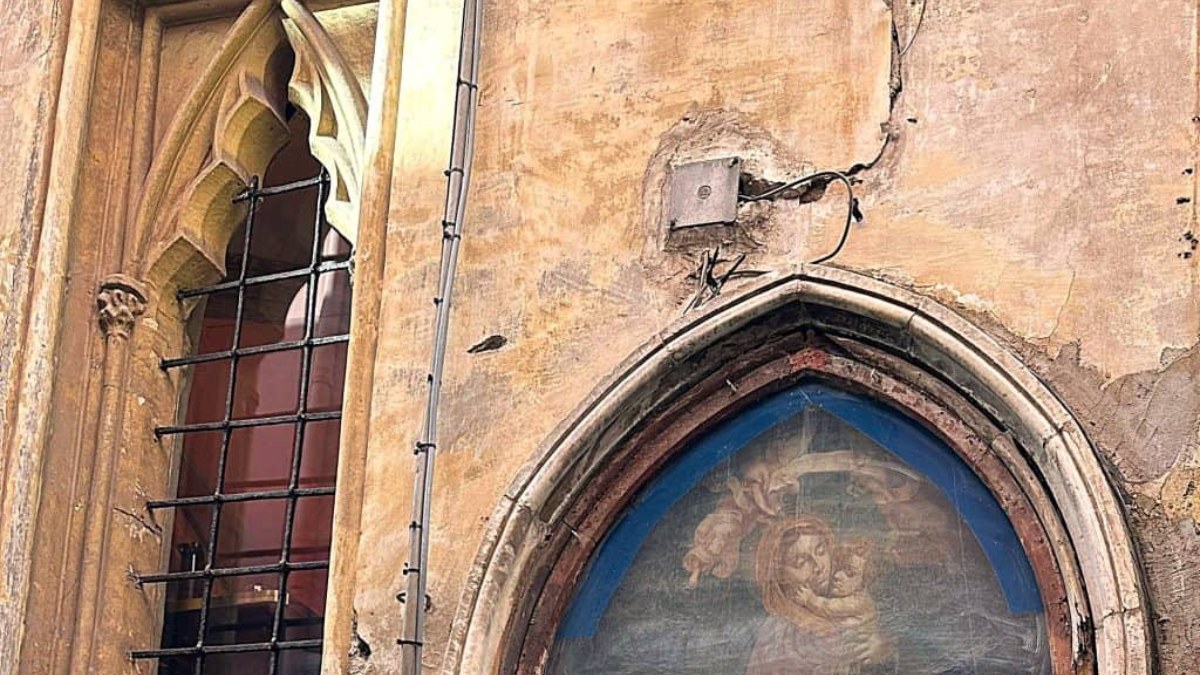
458, 182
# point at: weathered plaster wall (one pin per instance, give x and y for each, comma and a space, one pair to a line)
25, 111
1038, 176
32, 41
25, 96
1031, 164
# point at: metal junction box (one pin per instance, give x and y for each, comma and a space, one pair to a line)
703, 193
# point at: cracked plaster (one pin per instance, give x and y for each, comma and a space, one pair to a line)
1038, 155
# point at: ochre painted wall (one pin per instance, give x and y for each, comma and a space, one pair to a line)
1039, 178
1030, 164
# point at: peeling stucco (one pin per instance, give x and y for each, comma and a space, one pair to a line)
1030, 164
1029, 180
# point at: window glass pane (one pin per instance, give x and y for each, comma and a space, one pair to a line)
310, 538
318, 464
242, 609
274, 312
268, 384
333, 304
327, 378
334, 246
189, 551
176, 666
198, 467
251, 533
238, 664
216, 331
300, 661
260, 458
305, 608
185, 597
208, 396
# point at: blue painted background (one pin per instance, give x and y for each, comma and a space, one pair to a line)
886, 427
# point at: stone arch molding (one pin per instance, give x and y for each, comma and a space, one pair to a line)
1106, 597
229, 128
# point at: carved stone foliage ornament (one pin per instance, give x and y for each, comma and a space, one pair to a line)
119, 305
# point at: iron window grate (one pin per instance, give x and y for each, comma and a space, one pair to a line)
294, 493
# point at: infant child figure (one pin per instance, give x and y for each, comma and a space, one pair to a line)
850, 607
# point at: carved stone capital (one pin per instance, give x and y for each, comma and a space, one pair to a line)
119, 303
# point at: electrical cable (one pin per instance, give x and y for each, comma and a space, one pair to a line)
458, 182
823, 177
458, 179
912, 37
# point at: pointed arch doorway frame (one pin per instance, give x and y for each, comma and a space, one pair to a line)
857, 333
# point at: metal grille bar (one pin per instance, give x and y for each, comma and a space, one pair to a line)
226, 649
216, 573
229, 425
319, 180
167, 364
204, 500
327, 266
210, 571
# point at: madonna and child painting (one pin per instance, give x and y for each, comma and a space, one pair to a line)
819, 533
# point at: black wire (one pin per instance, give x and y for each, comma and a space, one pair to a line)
852, 212
912, 37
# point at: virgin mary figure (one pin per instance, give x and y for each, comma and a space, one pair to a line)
821, 617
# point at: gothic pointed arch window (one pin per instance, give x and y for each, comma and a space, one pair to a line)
257, 444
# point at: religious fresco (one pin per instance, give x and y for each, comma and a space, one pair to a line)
819, 532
